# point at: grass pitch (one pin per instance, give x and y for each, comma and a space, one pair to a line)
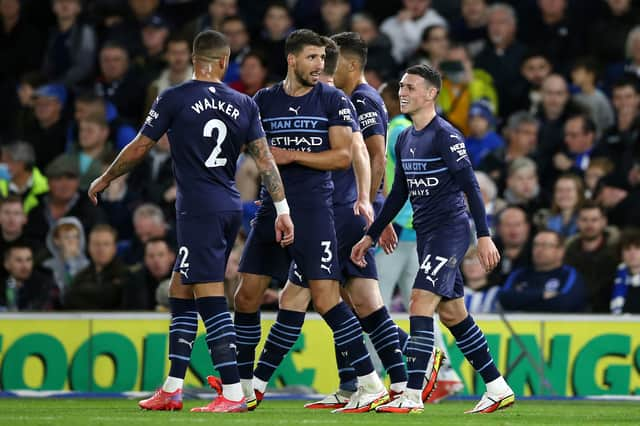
122, 412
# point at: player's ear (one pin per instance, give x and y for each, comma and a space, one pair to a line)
291, 59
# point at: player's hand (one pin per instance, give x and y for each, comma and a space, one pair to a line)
388, 239
360, 249
562, 162
364, 208
282, 156
488, 253
97, 186
284, 230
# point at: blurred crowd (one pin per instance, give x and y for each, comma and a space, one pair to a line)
547, 93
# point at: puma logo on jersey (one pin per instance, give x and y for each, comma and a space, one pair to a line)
186, 342
185, 272
298, 275
361, 101
294, 110
433, 280
327, 268
412, 151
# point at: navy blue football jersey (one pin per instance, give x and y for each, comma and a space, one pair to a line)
207, 125
302, 123
428, 160
372, 118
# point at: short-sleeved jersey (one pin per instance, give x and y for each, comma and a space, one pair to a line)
428, 159
207, 124
345, 191
302, 123
372, 118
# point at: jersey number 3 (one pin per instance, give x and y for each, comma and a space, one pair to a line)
207, 132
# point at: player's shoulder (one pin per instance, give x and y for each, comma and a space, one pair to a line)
330, 92
364, 93
273, 90
447, 131
175, 93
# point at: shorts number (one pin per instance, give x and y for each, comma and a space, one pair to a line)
207, 132
184, 252
426, 265
327, 255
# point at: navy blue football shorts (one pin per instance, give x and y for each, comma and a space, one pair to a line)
204, 244
440, 253
349, 230
314, 249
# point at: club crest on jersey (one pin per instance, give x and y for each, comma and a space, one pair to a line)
212, 89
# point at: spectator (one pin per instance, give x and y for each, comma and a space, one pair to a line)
140, 291
24, 116
502, 57
512, 241
12, 224
119, 83
523, 188
217, 11
547, 286
26, 181
119, 201
63, 199
66, 243
521, 132
276, 26
584, 75
597, 169
71, 49
155, 33
433, 48
128, 31
253, 74
630, 68
335, 17
622, 203
481, 139
94, 149
568, 196
379, 59
405, 28
148, 223
88, 103
579, 143
625, 298
100, 285
593, 254
493, 205
470, 28
462, 85
616, 23
48, 134
479, 297
178, 70
25, 288
20, 52
236, 31
619, 142
535, 68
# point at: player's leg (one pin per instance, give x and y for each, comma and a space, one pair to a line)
374, 317
473, 345
449, 382
283, 334
182, 333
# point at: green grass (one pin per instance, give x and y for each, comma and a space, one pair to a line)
71, 412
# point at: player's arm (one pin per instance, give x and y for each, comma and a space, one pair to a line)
362, 173
337, 157
259, 150
126, 160
376, 150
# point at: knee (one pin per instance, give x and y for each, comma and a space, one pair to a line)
450, 316
325, 300
246, 300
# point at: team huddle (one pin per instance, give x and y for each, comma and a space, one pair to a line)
320, 136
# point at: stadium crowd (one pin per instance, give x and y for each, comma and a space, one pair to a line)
547, 93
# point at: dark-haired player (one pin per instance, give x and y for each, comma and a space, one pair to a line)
434, 171
309, 126
207, 124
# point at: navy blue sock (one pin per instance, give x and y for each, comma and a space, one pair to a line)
347, 335
221, 336
247, 338
403, 339
419, 350
473, 345
281, 338
182, 334
384, 336
348, 378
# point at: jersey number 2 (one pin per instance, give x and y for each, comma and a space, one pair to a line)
207, 132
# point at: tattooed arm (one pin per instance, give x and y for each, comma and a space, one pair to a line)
259, 150
128, 158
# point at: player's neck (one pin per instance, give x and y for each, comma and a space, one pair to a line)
422, 117
351, 85
293, 87
206, 73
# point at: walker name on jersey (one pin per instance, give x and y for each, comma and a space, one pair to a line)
368, 119
294, 123
211, 103
419, 187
